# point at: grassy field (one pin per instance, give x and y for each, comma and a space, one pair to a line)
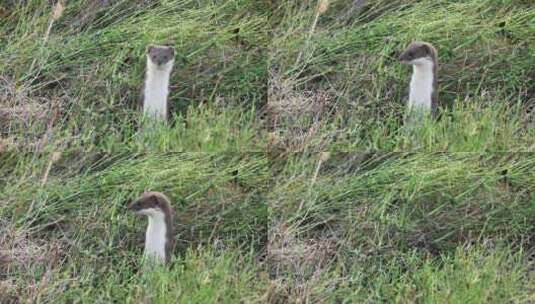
72, 75
336, 83
73, 153
65, 233
261, 90
402, 228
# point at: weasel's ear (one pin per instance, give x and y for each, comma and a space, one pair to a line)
156, 200
426, 48
149, 48
172, 51
429, 49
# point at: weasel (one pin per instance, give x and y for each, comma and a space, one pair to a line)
423, 89
159, 237
160, 61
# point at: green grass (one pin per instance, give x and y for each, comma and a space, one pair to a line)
78, 83
440, 212
298, 228
75, 151
402, 228
66, 233
342, 76
200, 276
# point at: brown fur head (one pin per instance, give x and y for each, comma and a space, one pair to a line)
146, 203
160, 54
418, 50
152, 199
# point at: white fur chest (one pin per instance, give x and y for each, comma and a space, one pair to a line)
155, 237
421, 88
156, 90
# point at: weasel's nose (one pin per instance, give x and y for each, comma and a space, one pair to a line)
404, 59
134, 206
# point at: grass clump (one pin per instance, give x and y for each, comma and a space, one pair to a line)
401, 227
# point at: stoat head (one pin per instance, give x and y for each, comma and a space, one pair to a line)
161, 56
418, 53
151, 204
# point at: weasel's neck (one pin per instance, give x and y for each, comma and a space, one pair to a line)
156, 237
422, 85
156, 91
